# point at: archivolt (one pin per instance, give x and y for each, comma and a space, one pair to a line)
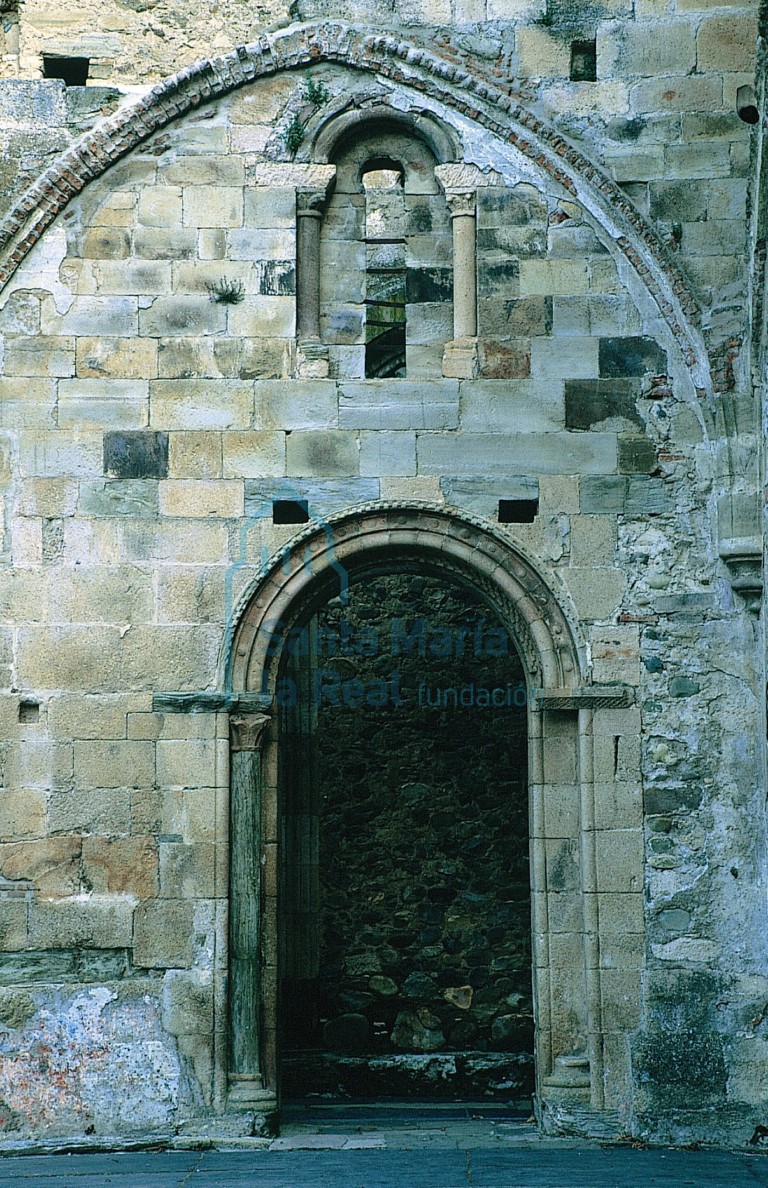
376, 52
382, 537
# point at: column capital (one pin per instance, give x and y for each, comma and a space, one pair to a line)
247, 731
310, 203
461, 203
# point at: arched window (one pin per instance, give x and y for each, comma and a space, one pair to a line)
385, 272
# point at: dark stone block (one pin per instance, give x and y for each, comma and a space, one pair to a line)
678, 201
631, 356
684, 606
647, 497
517, 241
653, 663
601, 493
55, 965
428, 284
681, 686
503, 207
529, 316
681, 1060
134, 454
637, 455
276, 278
589, 401
498, 279
663, 801
504, 360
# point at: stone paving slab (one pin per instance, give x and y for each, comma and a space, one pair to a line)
592, 1167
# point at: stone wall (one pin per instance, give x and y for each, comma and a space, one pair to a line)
151, 417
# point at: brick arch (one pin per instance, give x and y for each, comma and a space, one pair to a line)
318, 563
496, 108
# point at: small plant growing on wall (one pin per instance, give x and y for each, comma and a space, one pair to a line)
227, 292
316, 93
294, 134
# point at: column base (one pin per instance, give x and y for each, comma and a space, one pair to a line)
312, 359
460, 359
248, 1093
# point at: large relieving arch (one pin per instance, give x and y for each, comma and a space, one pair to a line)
569, 1000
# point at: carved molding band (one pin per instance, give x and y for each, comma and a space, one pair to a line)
584, 697
206, 702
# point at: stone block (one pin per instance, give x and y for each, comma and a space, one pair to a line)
678, 92
296, 404
602, 493
596, 591
540, 54
14, 935
554, 278
188, 404
163, 934
186, 763
182, 542
117, 763
60, 453
187, 1004
50, 866
28, 403
101, 595
119, 497
187, 871
625, 49
208, 170
26, 540
22, 813
194, 455
593, 315
95, 810
106, 243
637, 455
44, 356
270, 207
213, 206
141, 278
701, 159
323, 453
619, 860
185, 315
380, 404
82, 716
323, 497
252, 358
263, 317
387, 453
115, 358
96, 922
204, 277
251, 454
168, 657
201, 497
511, 406
160, 243
481, 496
136, 455
606, 403
160, 206
496, 454
126, 865
190, 594
261, 244
503, 360
113, 317
727, 41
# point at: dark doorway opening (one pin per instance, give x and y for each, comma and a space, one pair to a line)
405, 940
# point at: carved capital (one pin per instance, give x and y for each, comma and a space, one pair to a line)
461, 203
310, 203
247, 731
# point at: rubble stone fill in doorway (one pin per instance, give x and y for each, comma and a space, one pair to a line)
405, 889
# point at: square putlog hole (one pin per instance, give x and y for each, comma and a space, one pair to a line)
135, 454
73, 72
290, 511
583, 61
518, 511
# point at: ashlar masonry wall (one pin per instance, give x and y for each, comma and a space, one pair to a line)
149, 427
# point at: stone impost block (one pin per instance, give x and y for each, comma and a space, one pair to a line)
540, 453
94, 922
122, 865
201, 497
250, 454
50, 866
187, 404
296, 404
118, 763
380, 404
116, 358
163, 934
213, 206
322, 453
194, 455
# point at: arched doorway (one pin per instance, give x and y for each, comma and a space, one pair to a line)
404, 896
322, 564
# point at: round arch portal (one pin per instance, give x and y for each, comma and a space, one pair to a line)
315, 567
